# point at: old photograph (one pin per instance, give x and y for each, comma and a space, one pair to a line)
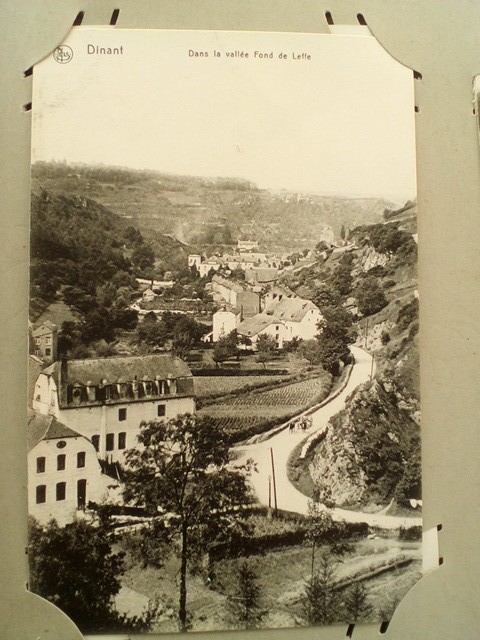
224, 412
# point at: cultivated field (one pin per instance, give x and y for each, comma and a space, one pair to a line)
252, 412
293, 395
208, 385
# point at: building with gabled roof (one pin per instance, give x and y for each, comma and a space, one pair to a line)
64, 473
263, 324
106, 399
238, 296
45, 338
301, 317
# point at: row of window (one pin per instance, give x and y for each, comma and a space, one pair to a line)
61, 462
122, 413
110, 441
61, 492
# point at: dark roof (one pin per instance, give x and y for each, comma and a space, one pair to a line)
57, 312
120, 369
42, 427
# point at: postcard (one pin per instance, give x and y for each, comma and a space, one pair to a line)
224, 412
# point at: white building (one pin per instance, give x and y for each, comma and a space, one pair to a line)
64, 473
300, 317
247, 245
263, 324
45, 337
194, 260
224, 322
148, 295
106, 399
212, 264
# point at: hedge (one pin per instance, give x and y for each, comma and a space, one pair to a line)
239, 372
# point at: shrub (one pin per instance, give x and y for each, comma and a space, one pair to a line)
385, 337
410, 533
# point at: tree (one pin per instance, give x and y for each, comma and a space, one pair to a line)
311, 350
335, 335
74, 567
266, 348
152, 333
143, 257
186, 334
244, 604
356, 603
341, 279
321, 600
226, 347
326, 296
370, 296
182, 467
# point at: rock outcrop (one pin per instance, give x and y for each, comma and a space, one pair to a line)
371, 451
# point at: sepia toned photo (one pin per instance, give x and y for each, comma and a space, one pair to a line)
224, 417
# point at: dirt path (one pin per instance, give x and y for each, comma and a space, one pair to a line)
282, 444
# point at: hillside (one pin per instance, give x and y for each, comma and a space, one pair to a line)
210, 213
371, 451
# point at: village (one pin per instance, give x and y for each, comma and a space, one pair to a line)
85, 413
256, 352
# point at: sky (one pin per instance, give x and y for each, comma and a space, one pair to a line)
339, 123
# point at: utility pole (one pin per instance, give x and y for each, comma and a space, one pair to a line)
366, 333
371, 369
269, 492
274, 482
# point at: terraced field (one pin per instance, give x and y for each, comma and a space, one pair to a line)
255, 411
292, 395
208, 385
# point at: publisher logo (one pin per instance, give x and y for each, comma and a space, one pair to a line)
63, 54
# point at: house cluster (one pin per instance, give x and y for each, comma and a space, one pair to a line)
85, 414
246, 257
253, 311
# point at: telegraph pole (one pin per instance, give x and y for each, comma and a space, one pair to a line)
274, 482
371, 369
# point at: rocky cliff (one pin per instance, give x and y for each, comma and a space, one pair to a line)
371, 451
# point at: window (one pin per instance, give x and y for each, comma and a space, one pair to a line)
96, 442
48, 340
61, 462
41, 494
122, 440
48, 352
110, 441
37, 341
61, 490
122, 414
80, 459
161, 410
40, 465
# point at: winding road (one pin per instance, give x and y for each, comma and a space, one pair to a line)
283, 443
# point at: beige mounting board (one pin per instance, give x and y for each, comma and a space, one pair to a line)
442, 42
